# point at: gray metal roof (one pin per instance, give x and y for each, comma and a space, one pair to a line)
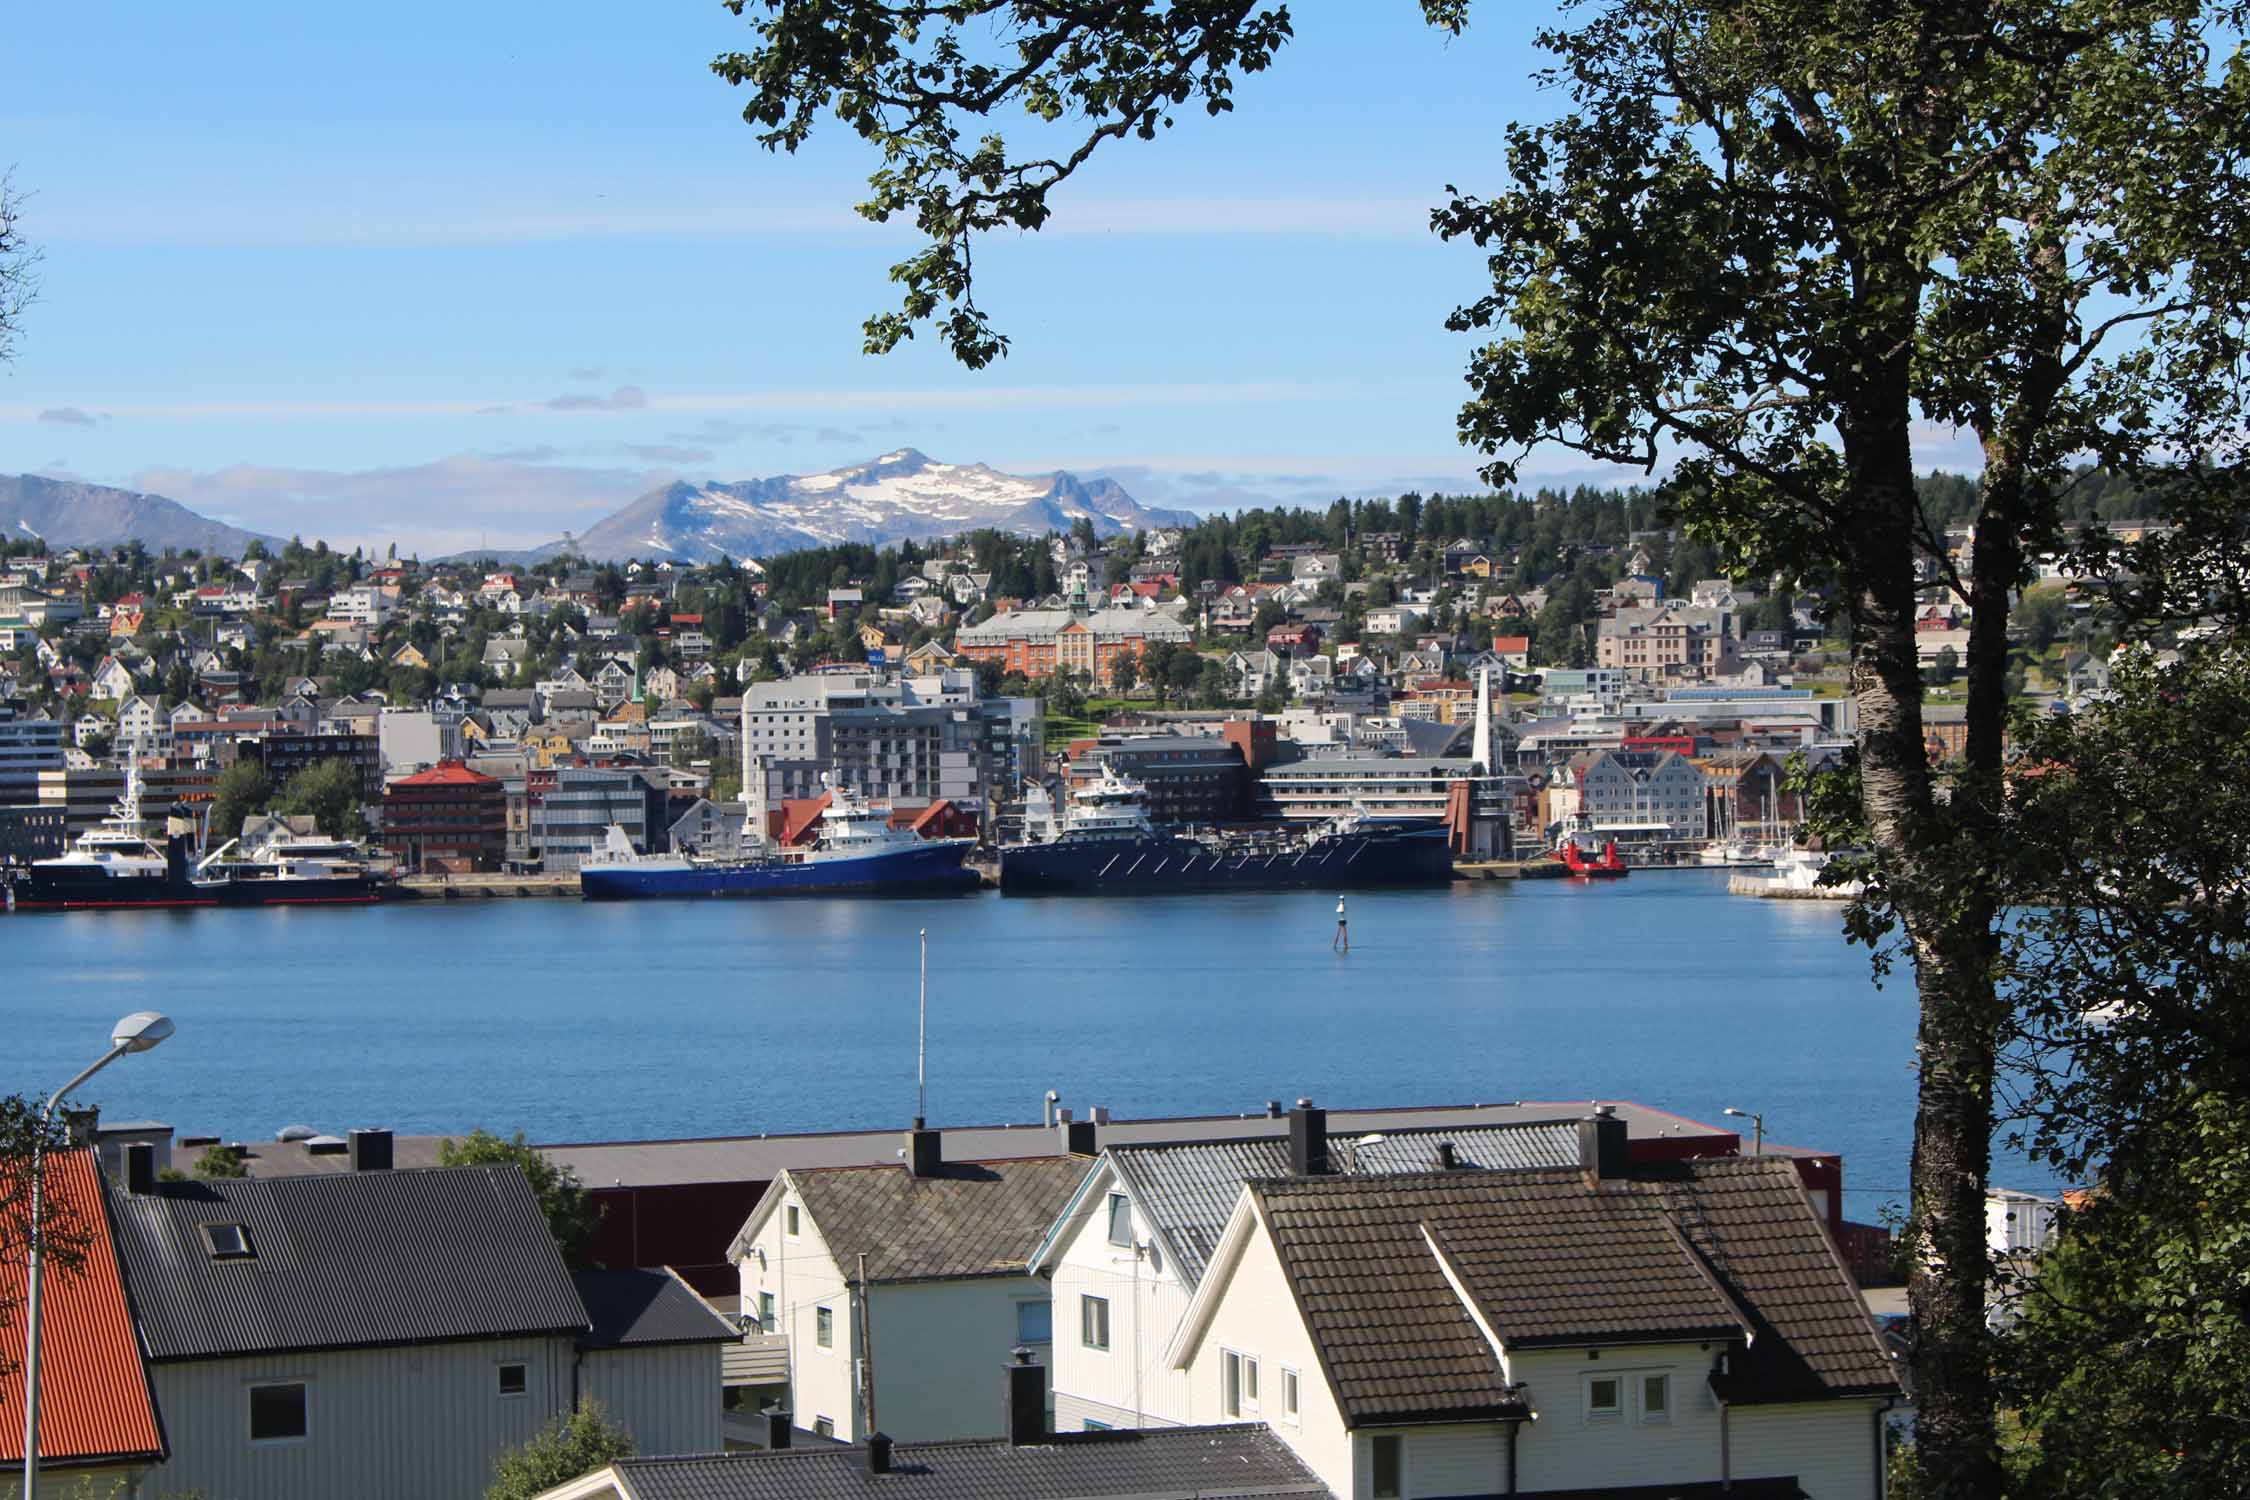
1188, 1191
1161, 1463
646, 1307
343, 1261
761, 1158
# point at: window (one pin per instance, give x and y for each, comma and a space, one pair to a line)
1120, 1219
789, 1215
228, 1241
513, 1379
1093, 1426
1035, 1322
1605, 1398
1656, 1398
825, 1426
1289, 1394
824, 1327
1238, 1377
765, 1312
277, 1412
1093, 1322
1388, 1460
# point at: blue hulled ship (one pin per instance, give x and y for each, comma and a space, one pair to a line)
1105, 844
855, 852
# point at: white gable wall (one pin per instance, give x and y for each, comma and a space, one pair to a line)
1129, 1384
803, 1277
1568, 1448
940, 1352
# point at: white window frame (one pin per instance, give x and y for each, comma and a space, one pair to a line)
1087, 1302
500, 1379
789, 1220
249, 1408
767, 1317
1613, 1413
1024, 1302
1292, 1395
824, 1327
825, 1426
1641, 1383
1120, 1206
1405, 1481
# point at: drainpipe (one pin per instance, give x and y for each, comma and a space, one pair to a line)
1882, 1431
1726, 1431
1513, 1428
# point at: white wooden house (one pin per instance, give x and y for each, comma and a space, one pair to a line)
914, 1272
1587, 1330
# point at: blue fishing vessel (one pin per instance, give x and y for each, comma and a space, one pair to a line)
855, 852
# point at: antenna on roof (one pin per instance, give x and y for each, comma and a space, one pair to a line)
922, 1040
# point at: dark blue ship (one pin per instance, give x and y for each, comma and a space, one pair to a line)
858, 854
1105, 845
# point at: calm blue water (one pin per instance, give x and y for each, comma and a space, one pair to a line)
575, 1022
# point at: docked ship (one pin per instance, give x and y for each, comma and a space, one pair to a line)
293, 869
119, 864
855, 852
1104, 843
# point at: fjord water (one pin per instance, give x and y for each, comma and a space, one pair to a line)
579, 1022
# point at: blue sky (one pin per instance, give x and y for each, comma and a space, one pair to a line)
482, 272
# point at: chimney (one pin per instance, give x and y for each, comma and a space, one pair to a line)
924, 1152
1273, 1109
80, 1124
878, 1453
1601, 1145
778, 1422
1027, 1402
1447, 1158
371, 1150
140, 1167
1047, 1108
1076, 1138
1308, 1140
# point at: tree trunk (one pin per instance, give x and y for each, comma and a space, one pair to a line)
1950, 933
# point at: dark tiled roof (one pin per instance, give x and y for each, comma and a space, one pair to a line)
1164, 1463
646, 1307
343, 1261
1188, 1191
1680, 1251
972, 1219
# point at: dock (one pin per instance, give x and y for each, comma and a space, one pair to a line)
1508, 869
482, 888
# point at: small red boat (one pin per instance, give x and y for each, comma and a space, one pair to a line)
1608, 867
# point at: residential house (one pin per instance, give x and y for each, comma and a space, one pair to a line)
1634, 796
111, 682
1128, 1251
918, 1268
1396, 619
1514, 651
1590, 1330
376, 1333
1668, 642
98, 1422
1316, 567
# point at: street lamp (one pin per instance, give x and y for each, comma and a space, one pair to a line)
1758, 1124
138, 1032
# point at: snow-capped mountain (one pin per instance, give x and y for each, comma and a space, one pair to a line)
900, 495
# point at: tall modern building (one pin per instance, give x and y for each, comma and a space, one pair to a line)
573, 817
908, 741
27, 747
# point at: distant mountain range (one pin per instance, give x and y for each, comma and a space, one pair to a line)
898, 496
67, 513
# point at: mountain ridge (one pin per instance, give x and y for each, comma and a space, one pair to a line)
74, 513
902, 495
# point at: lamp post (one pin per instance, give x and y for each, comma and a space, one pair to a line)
137, 1032
1758, 1128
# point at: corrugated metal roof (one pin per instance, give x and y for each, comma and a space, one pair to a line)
94, 1399
972, 1219
646, 1307
344, 1261
1188, 1191
1164, 1463
1679, 1251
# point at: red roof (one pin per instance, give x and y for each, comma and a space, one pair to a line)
1511, 645
446, 773
94, 1401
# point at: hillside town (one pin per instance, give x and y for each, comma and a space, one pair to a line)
1275, 669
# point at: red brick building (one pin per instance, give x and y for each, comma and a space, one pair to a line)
447, 818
